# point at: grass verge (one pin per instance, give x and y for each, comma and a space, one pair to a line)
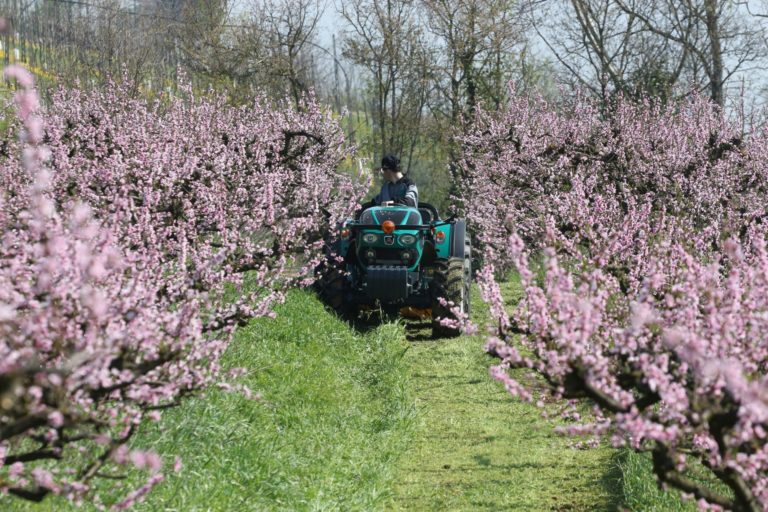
336, 412
641, 490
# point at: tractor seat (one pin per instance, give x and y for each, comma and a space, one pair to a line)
428, 213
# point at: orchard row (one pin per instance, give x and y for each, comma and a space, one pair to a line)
638, 232
137, 235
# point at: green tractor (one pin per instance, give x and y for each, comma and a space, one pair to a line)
396, 257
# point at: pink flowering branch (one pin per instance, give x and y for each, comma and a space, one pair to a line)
660, 389
133, 243
459, 320
646, 291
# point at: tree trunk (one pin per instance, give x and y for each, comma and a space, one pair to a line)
716, 68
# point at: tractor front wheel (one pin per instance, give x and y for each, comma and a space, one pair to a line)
332, 286
450, 283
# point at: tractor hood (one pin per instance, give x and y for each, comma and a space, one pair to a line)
400, 215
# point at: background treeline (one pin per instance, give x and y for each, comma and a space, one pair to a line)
409, 72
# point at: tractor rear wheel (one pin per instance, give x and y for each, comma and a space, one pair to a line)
451, 282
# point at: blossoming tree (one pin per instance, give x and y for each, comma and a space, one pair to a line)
639, 240
135, 236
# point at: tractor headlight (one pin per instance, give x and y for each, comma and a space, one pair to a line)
370, 255
407, 257
370, 238
407, 239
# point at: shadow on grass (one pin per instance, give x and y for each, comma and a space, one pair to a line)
613, 482
368, 320
418, 330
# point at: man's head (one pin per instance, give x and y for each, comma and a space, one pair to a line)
390, 167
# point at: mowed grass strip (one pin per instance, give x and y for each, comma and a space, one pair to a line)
335, 415
477, 448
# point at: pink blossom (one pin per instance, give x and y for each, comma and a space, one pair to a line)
650, 294
119, 240
153, 462
121, 454
19, 73
641, 314
44, 479
7, 312
56, 419
16, 469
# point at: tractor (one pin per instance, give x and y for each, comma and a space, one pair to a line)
394, 257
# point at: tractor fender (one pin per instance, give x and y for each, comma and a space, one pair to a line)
458, 236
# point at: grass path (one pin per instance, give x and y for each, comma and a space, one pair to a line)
358, 421
475, 448
335, 415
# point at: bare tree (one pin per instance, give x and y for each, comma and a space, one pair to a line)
85, 41
719, 36
268, 47
648, 46
292, 28
475, 56
112, 39
386, 39
207, 45
599, 46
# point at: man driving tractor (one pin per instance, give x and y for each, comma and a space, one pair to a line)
397, 189
399, 255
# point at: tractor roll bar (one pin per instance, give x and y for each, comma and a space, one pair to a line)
399, 226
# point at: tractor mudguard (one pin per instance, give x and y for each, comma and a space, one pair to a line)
458, 236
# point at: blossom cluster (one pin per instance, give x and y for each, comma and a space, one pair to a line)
610, 181
638, 236
136, 235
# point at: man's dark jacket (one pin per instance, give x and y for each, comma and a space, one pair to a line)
403, 191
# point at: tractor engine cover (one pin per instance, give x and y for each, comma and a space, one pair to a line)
386, 283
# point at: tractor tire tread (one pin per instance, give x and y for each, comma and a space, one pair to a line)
449, 283
331, 287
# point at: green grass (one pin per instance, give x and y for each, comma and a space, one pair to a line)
477, 448
641, 490
354, 420
335, 414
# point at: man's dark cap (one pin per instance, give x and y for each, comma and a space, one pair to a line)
390, 162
